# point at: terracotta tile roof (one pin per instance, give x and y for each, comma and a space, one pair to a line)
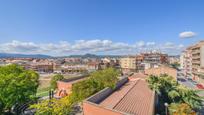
111, 101
133, 98
139, 75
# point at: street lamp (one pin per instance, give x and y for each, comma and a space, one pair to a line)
166, 108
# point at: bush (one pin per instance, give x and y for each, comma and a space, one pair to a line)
180, 109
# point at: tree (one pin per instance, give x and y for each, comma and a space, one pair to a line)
175, 65
17, 86
96, 82
181, 109
53, 107
154, 83
172, 92
55, 78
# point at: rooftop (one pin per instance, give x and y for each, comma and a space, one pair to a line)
134, 97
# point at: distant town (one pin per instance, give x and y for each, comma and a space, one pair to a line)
60, 78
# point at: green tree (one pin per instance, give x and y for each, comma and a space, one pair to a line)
175, 65
96, 82
180, 109
81, 90
53, 107
172, 92
17, 85
55, 78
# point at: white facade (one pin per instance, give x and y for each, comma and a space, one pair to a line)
202, 56
182, 58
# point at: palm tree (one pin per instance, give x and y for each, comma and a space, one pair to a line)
154, 83
171, 92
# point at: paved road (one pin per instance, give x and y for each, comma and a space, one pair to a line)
189, 84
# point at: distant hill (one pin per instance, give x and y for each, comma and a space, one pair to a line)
94, 56
8, 55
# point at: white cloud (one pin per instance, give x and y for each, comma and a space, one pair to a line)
140, 44
151, 43
86, 46
187, 34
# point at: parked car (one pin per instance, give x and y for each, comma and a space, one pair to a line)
181, 79
189, 79
194, 82
200, 86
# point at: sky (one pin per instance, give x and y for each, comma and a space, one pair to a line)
65, 27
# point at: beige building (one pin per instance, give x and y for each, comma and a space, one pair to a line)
128, 64
193, 62
188, 62
198, 60
162, 70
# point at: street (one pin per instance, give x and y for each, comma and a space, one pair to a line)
189, 83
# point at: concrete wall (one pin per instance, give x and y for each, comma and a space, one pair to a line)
63, 86
92, 109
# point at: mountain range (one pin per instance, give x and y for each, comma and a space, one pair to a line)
9, 55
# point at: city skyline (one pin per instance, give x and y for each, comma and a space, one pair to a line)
102, 27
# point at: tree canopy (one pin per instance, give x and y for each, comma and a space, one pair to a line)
181, 109
17, 85
55, 78
171, 92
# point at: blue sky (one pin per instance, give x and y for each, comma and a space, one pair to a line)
64, 27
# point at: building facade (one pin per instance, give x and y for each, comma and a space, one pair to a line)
128, 64
198, 60
192, 61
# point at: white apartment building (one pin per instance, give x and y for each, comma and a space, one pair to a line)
182, 59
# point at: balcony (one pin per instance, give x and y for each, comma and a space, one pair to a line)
196, 52
196, 62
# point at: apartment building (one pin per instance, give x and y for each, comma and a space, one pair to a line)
192, 61
182, 59
139, 63
173, 59
128, 64
155, 57
198, 60
150, 60
187, 62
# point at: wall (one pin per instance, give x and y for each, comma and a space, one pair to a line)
92, 109
63, 86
